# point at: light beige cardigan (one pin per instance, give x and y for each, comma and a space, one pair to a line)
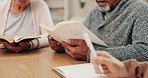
40, 14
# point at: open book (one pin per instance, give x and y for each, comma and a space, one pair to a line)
71, 30
18, 38
78, 71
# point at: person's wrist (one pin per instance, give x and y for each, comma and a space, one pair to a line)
28, 45
60, 50
82, 56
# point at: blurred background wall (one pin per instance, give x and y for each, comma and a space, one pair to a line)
70, 9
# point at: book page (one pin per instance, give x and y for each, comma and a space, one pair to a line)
71, 30
5, 38
52, 32
79, 71
19, 38
75, 30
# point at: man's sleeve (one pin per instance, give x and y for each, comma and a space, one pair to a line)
138, 49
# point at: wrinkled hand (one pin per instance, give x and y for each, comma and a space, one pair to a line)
55, 45
21, 46
76, 48
112, 67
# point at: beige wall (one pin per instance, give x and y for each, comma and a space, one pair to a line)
75, 12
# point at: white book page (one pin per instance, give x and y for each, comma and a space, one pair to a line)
53, 32
19, 38
80, 71
9, 39
75, 30
71, 30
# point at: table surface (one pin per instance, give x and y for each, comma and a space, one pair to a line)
33, 64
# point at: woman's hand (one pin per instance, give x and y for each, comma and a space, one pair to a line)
112, 67
18, 47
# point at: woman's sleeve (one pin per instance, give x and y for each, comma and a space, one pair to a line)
45, 17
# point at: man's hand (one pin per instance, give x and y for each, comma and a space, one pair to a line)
76, 48
55, 45
21, 46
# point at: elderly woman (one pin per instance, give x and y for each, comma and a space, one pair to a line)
23, 17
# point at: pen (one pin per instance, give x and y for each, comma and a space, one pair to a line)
89, 44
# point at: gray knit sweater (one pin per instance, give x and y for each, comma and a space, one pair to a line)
125, 31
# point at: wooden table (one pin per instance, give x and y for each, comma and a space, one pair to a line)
33, 64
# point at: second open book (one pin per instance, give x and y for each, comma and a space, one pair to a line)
71, 30
78, 71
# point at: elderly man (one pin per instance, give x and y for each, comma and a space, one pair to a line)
23, 17
121, 24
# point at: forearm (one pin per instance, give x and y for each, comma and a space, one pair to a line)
134, 51
43, 41
40, 42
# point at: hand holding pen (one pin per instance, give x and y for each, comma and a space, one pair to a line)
89, 44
